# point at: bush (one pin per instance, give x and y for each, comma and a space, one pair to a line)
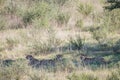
39, 11
76, 43
82, 77
115, 4
62, 18
85, 9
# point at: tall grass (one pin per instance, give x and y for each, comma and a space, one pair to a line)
40, 17
51, 44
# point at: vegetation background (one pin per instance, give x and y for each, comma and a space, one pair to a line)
45, 28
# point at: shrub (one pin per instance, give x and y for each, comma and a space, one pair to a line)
39, 10
62, 18
85, 9
115, 4
76, 43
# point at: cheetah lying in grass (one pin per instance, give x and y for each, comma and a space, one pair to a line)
40, 63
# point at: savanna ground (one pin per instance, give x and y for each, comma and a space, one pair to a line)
45, 28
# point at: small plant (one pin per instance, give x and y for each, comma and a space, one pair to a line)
76, 43
62, 18
85, 9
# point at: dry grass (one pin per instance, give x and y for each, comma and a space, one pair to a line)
27, 28
22, 71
